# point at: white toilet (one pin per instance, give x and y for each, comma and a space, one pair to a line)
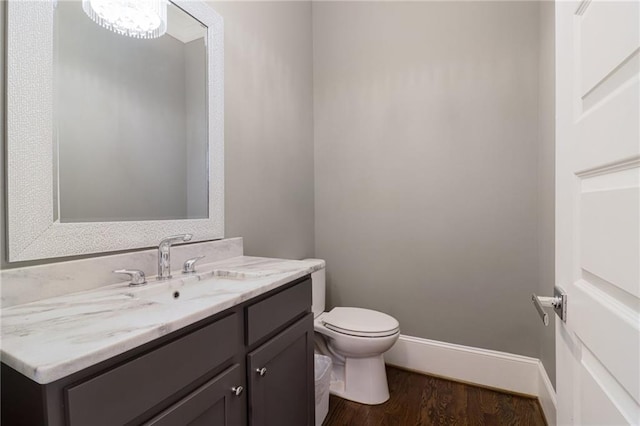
355, 339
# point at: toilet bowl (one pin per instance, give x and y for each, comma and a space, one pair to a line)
355, 339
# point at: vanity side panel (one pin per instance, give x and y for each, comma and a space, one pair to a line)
22, 399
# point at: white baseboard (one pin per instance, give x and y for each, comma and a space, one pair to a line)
546, 395
484, 367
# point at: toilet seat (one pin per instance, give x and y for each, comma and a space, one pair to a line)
360, 322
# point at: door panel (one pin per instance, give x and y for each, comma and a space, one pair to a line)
609, 35
609, 120
603, 413
610, 225
608, 328
598, 211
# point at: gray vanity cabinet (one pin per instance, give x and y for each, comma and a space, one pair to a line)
281, 390
203, 374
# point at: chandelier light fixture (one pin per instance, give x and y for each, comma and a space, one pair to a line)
133, 18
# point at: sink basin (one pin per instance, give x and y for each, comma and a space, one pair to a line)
173, 292
208, 283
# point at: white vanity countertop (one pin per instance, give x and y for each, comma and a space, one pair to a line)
53, 338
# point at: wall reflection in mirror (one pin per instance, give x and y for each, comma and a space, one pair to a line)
130, 120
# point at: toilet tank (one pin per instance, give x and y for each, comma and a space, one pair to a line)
318, 285
318, 289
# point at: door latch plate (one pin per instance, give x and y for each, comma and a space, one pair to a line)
561, 307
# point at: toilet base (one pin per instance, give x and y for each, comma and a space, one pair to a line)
362, 380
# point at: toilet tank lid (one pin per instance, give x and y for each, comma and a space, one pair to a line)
360, 320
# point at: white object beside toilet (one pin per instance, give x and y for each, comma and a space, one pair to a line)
322, 375
355, 339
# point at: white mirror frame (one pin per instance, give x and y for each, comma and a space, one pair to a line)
32, 231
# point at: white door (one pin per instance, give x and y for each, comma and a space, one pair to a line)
598, 211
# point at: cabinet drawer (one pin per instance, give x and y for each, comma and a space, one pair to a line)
268, 315
121, 394
214, 403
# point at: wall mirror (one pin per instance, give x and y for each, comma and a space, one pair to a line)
113, 141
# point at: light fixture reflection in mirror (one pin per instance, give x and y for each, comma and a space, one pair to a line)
133, 18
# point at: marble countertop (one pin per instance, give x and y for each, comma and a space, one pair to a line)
52, 338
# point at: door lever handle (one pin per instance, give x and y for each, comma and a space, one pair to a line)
540, 303
558, 302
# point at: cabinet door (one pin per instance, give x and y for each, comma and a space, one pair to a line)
216, 403
280, 376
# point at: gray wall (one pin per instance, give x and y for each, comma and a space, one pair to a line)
546, 177
268, 126
425, 118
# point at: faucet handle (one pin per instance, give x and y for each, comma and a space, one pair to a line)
136, 275
189, 266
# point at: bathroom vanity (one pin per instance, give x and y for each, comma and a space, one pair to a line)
250, 363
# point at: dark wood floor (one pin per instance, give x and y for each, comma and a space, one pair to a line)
418, 399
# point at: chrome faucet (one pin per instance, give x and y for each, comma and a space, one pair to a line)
164, 254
